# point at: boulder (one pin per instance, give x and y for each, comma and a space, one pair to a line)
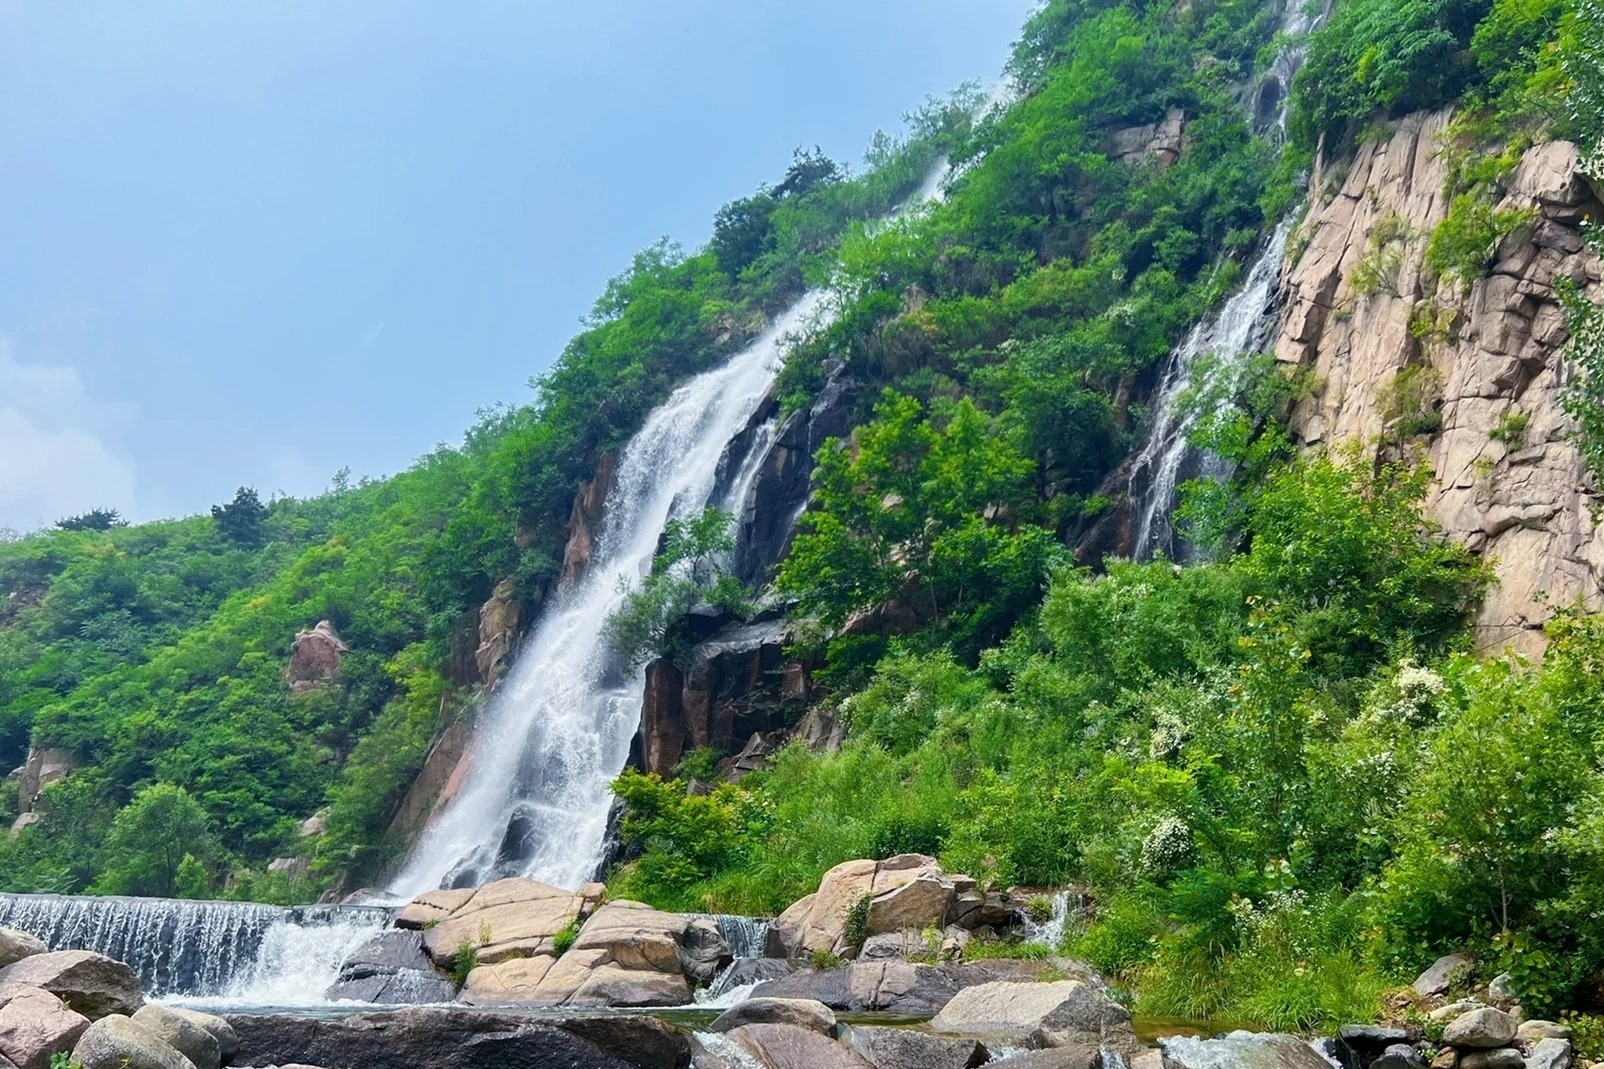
882, 986
1501, 990
908, 1048
1398, 1056
444, 1037
34, 1024
183, 1035
15, 945
1060, 1014
506, 919
315, 656
893, 946
391, 968
1501, 1058
90, 983
1370, 1038
906, 891
802, 1013
754, 971
636, 936
1443, 974
221, 1030
432, 907
1550, 1053
116, 1042
784, 1046
1241, 1050
1481, 1028
1531, 1032
590, 978
1455, 1009
506, 983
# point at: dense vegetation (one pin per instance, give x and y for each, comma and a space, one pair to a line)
1282, 775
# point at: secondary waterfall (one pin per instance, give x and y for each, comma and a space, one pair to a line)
1222, 343
272, 955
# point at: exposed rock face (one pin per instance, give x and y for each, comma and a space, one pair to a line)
1157, 142
1242, 1050
315, 657
34, 1024
730, 690
505, 919
90, 983
455, 1038
870, 986
445, 770
586, 517
803, 1013
44, 766
1360, 310
904, 1048
498, 632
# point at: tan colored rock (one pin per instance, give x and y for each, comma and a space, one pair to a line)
116, 1042
182, 1034
432, 906
906, 891
1066, 1013
498, 631
505, 919
315, 656
508, 982
16, 945
783, 1046
34, 1024
635, 936
92, 984
589, 978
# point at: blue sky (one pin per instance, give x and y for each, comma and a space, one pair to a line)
254, 243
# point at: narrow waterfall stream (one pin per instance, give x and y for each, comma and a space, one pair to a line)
244, 951
559, 729
1221, 343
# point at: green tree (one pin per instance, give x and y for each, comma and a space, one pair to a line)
688, 572
93, 520
157, 837
241, 520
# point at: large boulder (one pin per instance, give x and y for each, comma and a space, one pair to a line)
591, 978
116, 1042
636, 936
509, 918
1241, 1050
391, 968
1481, 1029
90, 983
803, 1013
183, 1035
1078, 1056
34, 1024
1443, 974
906, 891
15, 945
1549, 1053
315, 657
1062, 1014
220, 1029
432, 907
908, 1048
784, 1046
443, 1037
505, 983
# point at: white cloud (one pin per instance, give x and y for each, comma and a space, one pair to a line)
55, 456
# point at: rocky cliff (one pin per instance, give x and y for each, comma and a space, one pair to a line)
1467, 379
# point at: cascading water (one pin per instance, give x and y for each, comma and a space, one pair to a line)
245, 951
560, 728
1221, 343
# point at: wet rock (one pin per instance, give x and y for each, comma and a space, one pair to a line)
1076, 1056
183, 1035
15, 945
1481, 1028
907, 1048
443, 1037
116, 1042
802, 1013
1443, 974
34, 1024
1241, 1050
756, 971
1058, 1014
90, 983
391, 968
783, 1046
1399, 1056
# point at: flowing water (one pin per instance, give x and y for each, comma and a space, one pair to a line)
559, 729
271, 955
1220, 345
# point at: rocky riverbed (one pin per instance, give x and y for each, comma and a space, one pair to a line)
877, 969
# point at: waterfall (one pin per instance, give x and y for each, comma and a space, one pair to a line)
1222, 342
1067, 906
271, 955
559, 729
744, 936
